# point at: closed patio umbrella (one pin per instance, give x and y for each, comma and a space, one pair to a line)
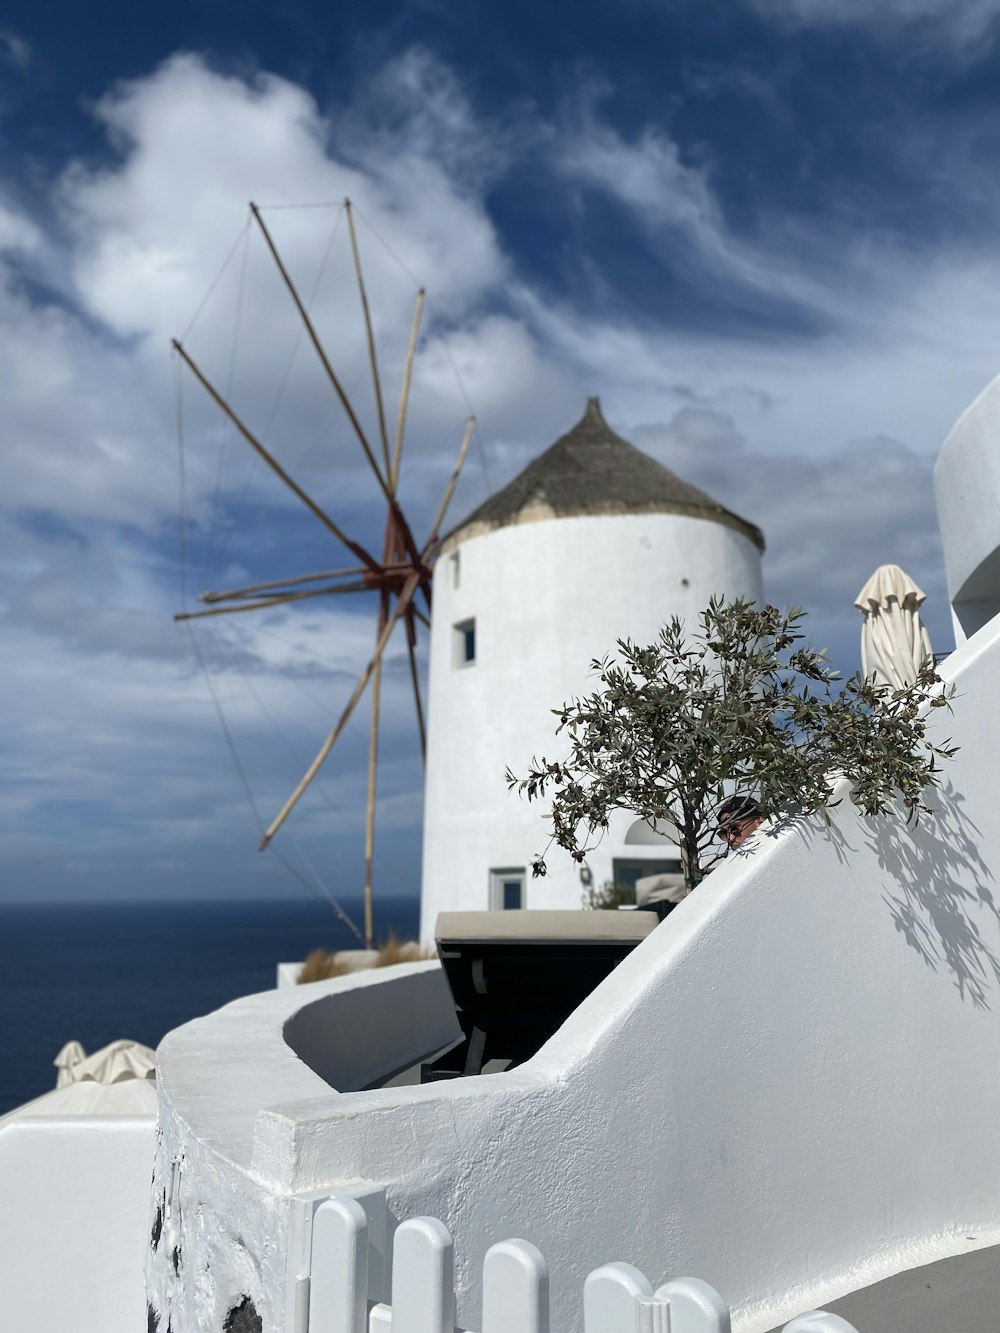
67, 1059
894, 643
115, 1063
135, 1096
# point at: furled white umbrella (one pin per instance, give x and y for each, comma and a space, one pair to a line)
136, 1096
894, 643
65, 1062
115, 1063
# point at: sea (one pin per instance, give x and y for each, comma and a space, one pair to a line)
94, 972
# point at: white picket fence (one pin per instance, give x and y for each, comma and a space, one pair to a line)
616, 1298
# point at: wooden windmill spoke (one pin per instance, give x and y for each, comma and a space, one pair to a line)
404, 396
345, 401
372, 353
411, 646
252, 588
409, 541
370, 807
324, 359
273, 463
449, 490
405, 596
281, 600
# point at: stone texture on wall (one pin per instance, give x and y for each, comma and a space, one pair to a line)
223, 1236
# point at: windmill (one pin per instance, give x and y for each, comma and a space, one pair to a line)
404, 571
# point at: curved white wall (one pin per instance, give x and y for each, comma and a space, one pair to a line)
224, 1233
547, 598
967, 492
791, 1087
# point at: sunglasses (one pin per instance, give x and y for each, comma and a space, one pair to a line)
732, 828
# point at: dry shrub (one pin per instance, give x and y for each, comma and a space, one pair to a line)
322, 966
402, 951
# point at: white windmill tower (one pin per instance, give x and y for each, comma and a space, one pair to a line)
594, 541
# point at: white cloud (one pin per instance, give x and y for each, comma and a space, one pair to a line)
673, 206
196, 146
416, 100
17, 232
829, 518
909, 338
14, 49
89, 416
965, 20
648, 174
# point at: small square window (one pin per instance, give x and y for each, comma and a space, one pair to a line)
465, 643
507, 890
626, 871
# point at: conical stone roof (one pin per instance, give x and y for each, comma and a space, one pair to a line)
591, 470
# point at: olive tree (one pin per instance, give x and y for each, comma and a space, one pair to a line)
744, 705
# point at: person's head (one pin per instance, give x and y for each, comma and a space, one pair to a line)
738, 818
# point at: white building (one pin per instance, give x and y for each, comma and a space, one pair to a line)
594, 541
967, 491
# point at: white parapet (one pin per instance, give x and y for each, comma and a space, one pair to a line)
221, 1233
287, 975
790, 1088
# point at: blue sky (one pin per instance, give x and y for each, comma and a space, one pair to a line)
764, 231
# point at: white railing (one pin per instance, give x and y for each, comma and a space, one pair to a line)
616, 1298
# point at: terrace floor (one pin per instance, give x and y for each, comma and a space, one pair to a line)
956, 1295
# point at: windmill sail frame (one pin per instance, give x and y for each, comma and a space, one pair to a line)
404, 570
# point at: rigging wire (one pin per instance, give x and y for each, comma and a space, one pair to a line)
334, 808
350, 726
216, 280
253, 463
273, 208
228, 435
182, 478
380, 860
352, 385
320, 274
468, 403
337, 909
231, 432
444, 343
245, 782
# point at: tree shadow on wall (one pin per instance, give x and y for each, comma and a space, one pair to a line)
939, 894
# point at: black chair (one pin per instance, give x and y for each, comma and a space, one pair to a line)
517, 976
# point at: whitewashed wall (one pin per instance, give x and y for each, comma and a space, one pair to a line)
74, 1214
820, 1020
220, 1234
790, 1088
547, 598
967, 491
